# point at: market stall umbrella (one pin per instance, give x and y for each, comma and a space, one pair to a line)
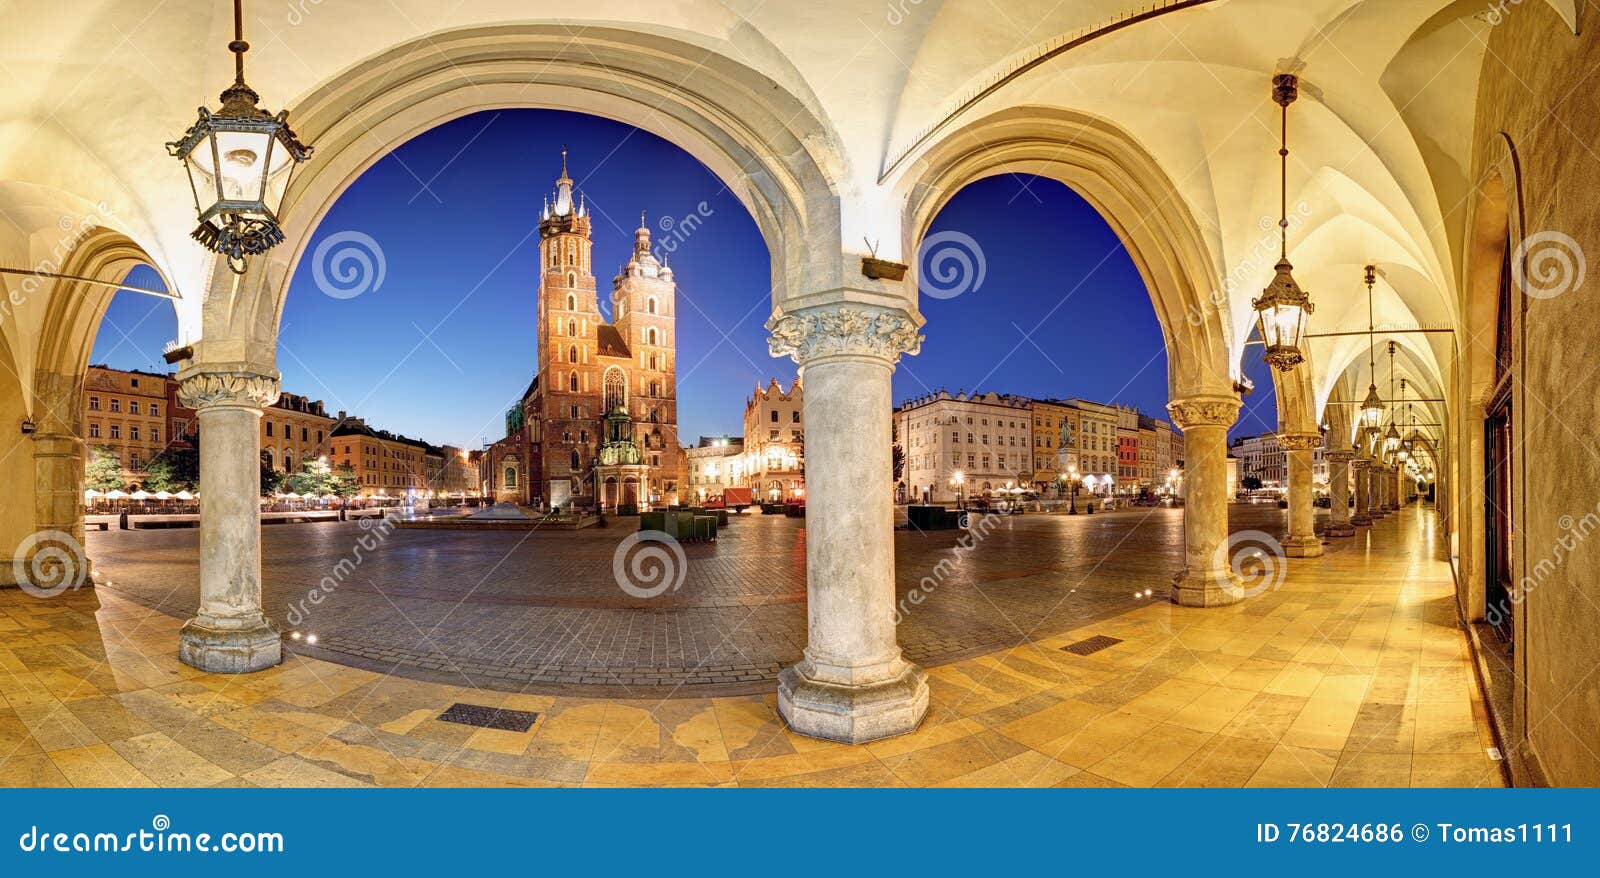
141, 494
116, 494
163, 495
92, 494
184, 495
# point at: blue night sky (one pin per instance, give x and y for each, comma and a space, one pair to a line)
445, 344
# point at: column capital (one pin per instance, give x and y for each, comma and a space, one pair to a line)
227, 389
1300, 441
1202, 411
844, 330
1341, 455
1361, 461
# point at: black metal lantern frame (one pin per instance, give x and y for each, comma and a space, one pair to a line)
239, 160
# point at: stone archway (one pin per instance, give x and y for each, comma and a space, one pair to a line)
1114, 172
761, 141
46, 466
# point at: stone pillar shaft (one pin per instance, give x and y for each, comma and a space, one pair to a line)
852, 685
1363, 516
1339, 494
1300, 451
230, 634
1206, 580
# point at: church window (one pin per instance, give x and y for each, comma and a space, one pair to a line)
616, 388
572, 303
650, 335
572, 382
576, 462
572, 327
511, 477
572, 279
652, 304
572, 354
652, 361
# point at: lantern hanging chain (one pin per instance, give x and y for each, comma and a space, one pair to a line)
1283, 183
238, 47
1391, 373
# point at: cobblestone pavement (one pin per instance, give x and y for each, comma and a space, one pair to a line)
509, 609
1353, 672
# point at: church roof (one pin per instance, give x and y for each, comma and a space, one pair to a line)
611, 342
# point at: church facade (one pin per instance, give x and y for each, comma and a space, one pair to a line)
597, 427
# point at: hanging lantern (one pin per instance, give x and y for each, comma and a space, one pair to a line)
1281, 318
1283, 307
1372, 407
239, 160
1391, 439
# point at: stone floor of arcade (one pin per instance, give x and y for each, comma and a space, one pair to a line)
1353, 672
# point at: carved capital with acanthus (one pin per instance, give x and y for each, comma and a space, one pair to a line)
1204, 411
843, 330
1300, 441
203, 390
1339, 456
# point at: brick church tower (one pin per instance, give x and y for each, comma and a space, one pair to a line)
597, 427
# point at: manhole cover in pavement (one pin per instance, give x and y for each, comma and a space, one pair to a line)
1092, 645
489, 717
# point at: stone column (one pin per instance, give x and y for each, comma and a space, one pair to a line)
1206, 580
1339, 494
58, 468
1300, 451
230, 635
1363, 469
852, 685
1380, 493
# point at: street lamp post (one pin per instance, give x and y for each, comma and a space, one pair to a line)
1072, 473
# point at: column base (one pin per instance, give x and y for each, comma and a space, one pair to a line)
230, 646
852, 714
83, 578
1360, 521
1340, 530
1207, 590
1302, 547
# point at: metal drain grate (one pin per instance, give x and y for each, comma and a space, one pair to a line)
489, 717
1092, 645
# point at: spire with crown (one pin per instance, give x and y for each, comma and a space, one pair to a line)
563, 205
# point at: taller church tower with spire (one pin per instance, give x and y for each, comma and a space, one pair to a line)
598, 425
